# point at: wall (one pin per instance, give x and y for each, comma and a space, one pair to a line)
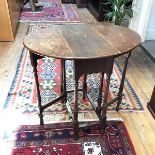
150, 32
139, 22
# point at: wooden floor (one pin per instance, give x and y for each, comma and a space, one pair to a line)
149, 46
141, 75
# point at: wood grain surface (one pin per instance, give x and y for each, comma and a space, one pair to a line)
82, 41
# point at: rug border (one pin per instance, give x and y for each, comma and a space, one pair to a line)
14, 79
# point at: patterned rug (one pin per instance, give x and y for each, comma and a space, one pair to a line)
57, 139
53, 11
22, 95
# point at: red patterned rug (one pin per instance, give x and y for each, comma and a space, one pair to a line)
57, 139
53, 11
22, 95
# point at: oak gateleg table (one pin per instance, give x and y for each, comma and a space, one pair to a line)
93, 48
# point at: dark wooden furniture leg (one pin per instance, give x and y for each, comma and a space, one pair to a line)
34, 58
105, 101
99, 100
151, 104
62, 97
33, 5
75, 111
63, 81
84, 86
62, 76
81, 68
122, 82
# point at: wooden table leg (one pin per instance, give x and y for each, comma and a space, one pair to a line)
75, 112
99, 100
122, 82
104, 105
34, 58
63, 81
84, 86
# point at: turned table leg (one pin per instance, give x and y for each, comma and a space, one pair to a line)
75, 111
84, 86
34, 58
104, 105
122, 82
63, 81
99, 100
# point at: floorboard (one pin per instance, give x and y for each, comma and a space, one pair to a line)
149, 47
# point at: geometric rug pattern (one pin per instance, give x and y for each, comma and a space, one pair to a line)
53, 11
22, 95
57, 139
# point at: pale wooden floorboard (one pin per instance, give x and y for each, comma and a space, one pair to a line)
9, 63
141, 75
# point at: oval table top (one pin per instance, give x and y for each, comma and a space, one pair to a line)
82, 41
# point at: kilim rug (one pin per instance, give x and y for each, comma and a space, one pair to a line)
53, 11
57, 139
22, 95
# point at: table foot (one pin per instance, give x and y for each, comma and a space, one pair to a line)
76, 129
38, 8
41, 119
117, 108
103, 124
33, 6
